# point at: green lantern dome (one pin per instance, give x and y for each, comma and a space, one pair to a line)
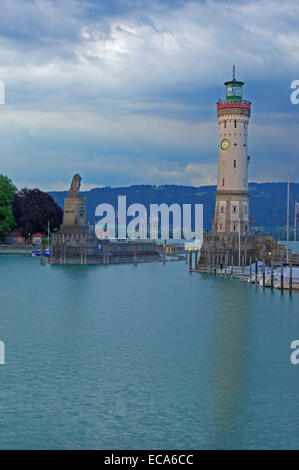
234, 88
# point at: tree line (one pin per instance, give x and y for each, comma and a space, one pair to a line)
28, 210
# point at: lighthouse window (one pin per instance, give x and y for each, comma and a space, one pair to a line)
222, 209
235, 122
235, 164
224, 124
234, 209
222, 181
234, 228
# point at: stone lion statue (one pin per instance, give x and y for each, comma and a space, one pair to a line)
75, 186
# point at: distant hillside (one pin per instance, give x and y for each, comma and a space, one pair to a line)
267, 201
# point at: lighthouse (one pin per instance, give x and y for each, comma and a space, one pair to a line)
232, 243
232, 197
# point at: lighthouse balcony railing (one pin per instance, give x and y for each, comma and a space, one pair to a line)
221, 104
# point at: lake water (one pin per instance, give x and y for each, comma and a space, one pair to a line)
146, 356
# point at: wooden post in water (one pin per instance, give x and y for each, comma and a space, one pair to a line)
250, 269
281, 276
135, 254
232, 265
291, 278
255, 271
195, 267
226, 263
272, 283
190, 259
263, 272
107, 254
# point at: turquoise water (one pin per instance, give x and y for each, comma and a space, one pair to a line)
146, 356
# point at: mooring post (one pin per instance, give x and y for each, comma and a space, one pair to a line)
107, 255
250, 269
135, 254
272, 280
291, 278
195, 262
190, 259
232, 265
281, 276
255, 271
263, 272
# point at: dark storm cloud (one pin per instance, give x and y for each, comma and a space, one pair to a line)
127, 89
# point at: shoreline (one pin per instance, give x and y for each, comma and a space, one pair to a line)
17, 250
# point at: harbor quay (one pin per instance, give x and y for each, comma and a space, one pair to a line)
77, 243
259, 260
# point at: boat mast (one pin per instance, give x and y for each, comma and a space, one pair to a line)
288, 218
239, 242
295, 226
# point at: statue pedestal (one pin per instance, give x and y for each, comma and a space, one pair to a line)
74, 216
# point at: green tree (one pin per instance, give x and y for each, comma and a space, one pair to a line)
7, 195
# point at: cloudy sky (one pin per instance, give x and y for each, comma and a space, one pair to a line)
124, 91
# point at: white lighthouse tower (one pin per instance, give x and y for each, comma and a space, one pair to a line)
232, 197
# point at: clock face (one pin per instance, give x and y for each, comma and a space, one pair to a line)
225, 144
